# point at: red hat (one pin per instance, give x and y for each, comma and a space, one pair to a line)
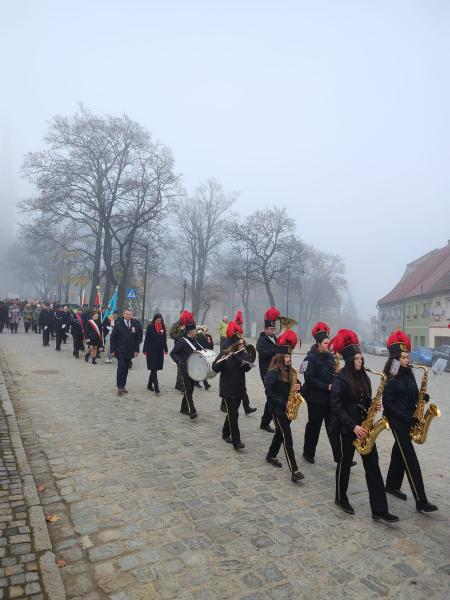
287, 342
234, 331
398, 342
346, 343
270, 316
320, 331
238, 318
187, 320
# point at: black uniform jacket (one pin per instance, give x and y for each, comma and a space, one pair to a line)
182, 351
347, 411
318, 376
400, 397
45, 318
277, 392
75, 328
232, 374
124, 341
155, 345
205, 340
92, 335
266, 351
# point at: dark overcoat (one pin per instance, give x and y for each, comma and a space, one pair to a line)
155, 345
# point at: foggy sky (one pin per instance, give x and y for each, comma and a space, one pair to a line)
338, 110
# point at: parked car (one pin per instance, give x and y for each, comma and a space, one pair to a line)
422, 355
442, 352
376, 348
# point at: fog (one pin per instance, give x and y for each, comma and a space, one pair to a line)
336, 110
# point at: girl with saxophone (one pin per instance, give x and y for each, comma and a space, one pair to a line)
232, 364
277, 384
351, 396
400, 398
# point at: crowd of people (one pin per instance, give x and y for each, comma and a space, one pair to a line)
340, 398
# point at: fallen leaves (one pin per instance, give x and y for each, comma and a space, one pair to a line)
53, 518
40, 488
61, 563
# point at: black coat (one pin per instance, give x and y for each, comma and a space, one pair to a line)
45, 318
266, 351
347, 410
400, 397
75, 328
205, 340
124, 341
277, 392
232, 374
155, 345
318, 376
92, 335
182, 351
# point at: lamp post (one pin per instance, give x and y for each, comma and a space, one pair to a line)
184, 293
287, 290
145, 283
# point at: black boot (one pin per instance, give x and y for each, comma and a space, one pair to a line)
425, 507
94, 362
86, 357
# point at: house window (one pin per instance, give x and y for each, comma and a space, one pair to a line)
426, 310
447, 309
415, 341
408, 311
422, 340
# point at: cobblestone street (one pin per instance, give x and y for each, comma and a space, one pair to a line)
152, 505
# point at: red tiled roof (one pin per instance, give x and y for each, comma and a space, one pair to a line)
422, 279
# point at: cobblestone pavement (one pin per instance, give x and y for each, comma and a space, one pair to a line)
154, 505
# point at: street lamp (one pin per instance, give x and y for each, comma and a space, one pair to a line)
287, 289
184, 293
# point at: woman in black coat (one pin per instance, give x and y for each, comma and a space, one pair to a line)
232, 368
155, 347
93, 337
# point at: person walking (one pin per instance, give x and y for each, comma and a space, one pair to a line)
36, 314
3, 315
94, 337
14, 317
27, 316
222, 330
155, 347
45, 321
124, 346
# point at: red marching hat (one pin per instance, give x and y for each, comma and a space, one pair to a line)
397, 343
270, 316
234, 332
345, 343
320, 332
287, 342
238, 318
187, 320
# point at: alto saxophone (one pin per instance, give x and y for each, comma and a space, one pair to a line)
365, 445
419, 431
295, 398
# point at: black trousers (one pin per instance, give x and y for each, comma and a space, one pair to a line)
180, 382
283, 436
374, 480
77, 344
404, 459
46, 336
13, 327
59, 338
153, 379
2, 325
122, 372
231, 424
187, 402
317, 413
27, 325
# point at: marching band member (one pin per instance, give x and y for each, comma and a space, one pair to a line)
267, 348
316, 390
182, 350
77, 331
278, 387
351, 395
399, 401
205, 340
232, 364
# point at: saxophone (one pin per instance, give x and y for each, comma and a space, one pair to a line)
295, 398
419, 431
365, 445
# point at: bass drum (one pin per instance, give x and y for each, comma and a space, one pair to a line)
199, 365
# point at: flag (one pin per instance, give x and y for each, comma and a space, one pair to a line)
83, 298
112, 305
97, 301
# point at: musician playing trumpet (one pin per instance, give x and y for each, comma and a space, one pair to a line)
400, 398
232, 364
351, 396
277, 384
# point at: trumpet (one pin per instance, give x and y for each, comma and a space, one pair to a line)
284, 323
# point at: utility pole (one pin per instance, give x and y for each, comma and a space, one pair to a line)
184, 293
145, 283
287, 291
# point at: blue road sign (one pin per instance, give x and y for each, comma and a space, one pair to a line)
131, 294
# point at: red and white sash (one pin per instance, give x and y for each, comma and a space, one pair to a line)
95, 327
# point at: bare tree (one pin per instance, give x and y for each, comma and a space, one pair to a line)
267, 234
201, 229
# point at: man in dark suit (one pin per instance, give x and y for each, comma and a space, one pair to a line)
124, 342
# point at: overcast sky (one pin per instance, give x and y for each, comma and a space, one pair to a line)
337, 110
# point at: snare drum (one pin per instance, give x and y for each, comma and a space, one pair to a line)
199, 365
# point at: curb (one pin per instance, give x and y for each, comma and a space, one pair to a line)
51, 576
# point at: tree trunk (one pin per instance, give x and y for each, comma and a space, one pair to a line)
268, 290
66, 293
96, 270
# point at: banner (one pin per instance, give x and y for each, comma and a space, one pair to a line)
112, 305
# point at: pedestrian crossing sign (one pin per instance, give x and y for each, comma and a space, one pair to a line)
131, 294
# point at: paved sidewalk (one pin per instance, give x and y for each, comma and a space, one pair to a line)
152, 505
